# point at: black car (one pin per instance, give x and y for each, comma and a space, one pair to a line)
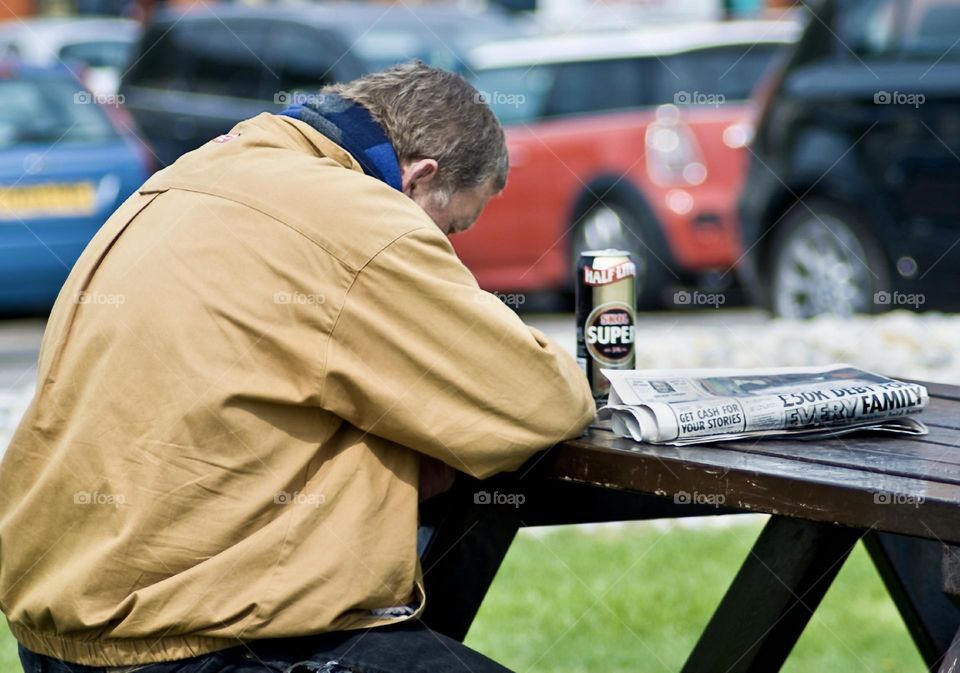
852, 201
197, 74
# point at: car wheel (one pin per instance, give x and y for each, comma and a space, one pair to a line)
824, 261
610, 225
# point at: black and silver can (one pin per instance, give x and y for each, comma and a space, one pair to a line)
606, 315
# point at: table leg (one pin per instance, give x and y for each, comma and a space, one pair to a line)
951, 660
769, 602
466, 543
911, 570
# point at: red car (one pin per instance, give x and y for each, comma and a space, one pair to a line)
632, 140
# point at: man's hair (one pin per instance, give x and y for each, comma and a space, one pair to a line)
428, 113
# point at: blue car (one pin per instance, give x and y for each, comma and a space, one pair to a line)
67, 160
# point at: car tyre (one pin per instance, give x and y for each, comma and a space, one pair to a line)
824, 260
611, 225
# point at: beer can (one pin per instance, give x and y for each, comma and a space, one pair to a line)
606, 315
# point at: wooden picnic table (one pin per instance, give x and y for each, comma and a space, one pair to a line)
899, 495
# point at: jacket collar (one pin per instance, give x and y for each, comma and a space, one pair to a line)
351, 126
303, 137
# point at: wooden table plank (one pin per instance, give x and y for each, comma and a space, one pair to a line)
763, 483
919, 458
897, 458
942, 390
942, 413
908, 457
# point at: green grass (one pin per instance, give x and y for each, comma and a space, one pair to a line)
9, 661
634, 599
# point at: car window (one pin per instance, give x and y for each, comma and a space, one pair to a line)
9, 49
384, 46
516, 94
596, 86
49, 111
223, 57
932, 30
203, 56
708, 75
442, 45
923, 30
868, 27
100, 54
161, 60
301, 59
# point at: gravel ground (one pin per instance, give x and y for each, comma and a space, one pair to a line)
12, 405
19, 346
898, 344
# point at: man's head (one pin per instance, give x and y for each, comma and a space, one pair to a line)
450, 145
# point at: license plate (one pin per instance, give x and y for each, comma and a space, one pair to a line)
49, 199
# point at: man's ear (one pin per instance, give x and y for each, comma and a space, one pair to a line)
417, 173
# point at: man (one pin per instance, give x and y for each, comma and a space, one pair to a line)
240, 381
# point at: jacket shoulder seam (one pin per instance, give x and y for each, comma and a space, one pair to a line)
254, 205
346, 297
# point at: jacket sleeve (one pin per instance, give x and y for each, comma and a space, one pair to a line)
422, 357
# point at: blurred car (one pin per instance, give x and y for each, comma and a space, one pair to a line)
64, 168
197, 74
102, 44
851, 201
619, 140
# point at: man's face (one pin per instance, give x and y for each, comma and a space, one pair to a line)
460, 211
452, 215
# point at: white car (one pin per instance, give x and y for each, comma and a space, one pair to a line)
102, 44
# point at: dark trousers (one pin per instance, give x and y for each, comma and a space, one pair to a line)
410, 647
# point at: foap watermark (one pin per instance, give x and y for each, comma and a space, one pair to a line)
896, 298
501, 98
101, 299
88, 98
298, 98
699, 98
298, 498
302, 298
514, 299
97, 498
697, 498
899, 98
697, 298
498, 498
891, 498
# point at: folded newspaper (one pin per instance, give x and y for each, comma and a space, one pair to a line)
689, 406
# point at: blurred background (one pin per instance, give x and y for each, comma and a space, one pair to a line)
785, 174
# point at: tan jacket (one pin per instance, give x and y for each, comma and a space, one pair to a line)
228, 387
